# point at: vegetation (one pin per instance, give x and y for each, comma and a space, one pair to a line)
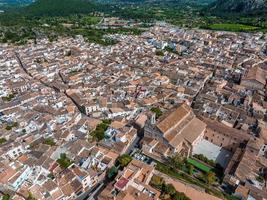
156, 181
171, 50
99, 133
124, 160
64, 161
57, 18
210, 178
168, 191
205, 159
10, 126
30, 197
3, 140
159, 53
199, 165
49, 141
232, 27
265, 118
180, 175
112, 172
6, 197
10, 96
157, 111
51, 176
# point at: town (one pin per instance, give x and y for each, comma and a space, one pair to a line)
172, 113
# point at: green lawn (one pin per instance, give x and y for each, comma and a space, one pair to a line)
91, 19
232, 27
198, 165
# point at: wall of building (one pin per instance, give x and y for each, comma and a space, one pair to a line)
222, 140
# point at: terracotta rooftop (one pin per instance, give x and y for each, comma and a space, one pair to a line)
174, 119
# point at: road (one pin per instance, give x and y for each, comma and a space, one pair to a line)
44, 83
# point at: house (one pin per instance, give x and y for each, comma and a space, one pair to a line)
15, 151
132, 183
254, 79
244, 169
18, 179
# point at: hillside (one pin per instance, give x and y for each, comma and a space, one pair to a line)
240, 6
58, 8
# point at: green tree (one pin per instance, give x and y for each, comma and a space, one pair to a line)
49, 141
30, 197
168, 189
159, 53
6, 197
210, 178
112, 172
124, 160
190, 169
99, 133
2, 140
180, 196
64, 161
157, 111
156, 181
177, 161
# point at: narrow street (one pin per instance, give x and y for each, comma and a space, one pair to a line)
44, 83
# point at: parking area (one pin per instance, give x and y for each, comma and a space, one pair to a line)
139, 156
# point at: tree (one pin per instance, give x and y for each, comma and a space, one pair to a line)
124, 160
112, 172
190, 169
2, 140
180, 196
30, 197
177, 161
64, 161
6, 197
99, 132
157, 111
49, 141
159, 53
210, 178
168, 189
156, 181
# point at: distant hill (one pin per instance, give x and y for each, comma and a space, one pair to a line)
15, 2
57, 8
6, 4
240, 6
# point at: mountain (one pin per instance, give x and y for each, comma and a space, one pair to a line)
58, 8
15, 2
240, 6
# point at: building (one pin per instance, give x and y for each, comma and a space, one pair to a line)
179, 131
255, 79
132, 183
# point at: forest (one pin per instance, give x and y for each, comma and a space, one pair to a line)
47, 18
